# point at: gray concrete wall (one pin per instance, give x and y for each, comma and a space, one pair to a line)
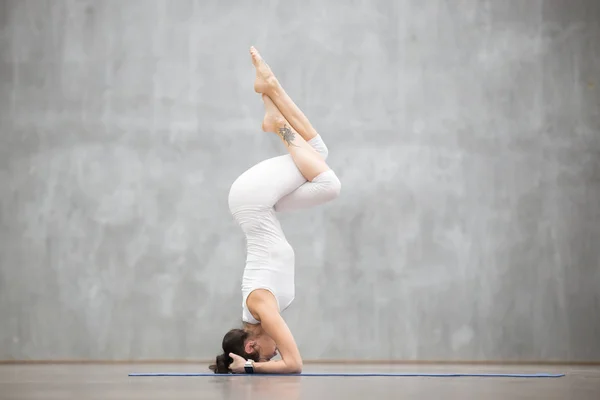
466, 135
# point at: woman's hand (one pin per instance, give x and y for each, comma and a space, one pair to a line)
237, 366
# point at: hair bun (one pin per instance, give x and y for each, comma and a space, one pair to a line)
222, 364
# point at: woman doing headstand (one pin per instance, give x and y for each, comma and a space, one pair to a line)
297, 180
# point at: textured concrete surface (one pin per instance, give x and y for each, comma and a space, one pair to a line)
466, 135
29, 382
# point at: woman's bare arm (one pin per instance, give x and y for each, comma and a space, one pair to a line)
264, 307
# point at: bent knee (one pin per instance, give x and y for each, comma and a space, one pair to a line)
319, 145
335, 186
330, 184
324, 152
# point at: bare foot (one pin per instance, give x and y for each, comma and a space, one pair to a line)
265, 79
273, 118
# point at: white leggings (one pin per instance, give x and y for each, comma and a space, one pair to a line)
276, 183
272, 186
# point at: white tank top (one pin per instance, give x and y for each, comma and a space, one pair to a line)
269, 261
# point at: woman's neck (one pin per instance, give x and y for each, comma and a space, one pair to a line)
253, 329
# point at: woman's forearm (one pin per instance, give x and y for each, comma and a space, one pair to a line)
277, 367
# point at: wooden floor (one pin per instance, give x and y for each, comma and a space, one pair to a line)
111, 382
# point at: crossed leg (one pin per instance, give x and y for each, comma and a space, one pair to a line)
297, 122
294, 181
267, 83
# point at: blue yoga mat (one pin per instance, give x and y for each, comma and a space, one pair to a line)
397, 374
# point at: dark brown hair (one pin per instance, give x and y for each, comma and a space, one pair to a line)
233, 342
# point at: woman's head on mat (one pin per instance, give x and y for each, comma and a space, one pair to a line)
250, 343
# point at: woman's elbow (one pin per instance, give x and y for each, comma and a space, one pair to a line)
295, 367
